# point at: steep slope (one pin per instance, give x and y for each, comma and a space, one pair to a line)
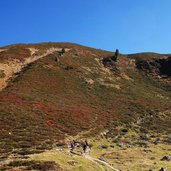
49, 95
157, 69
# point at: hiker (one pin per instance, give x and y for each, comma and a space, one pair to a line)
72, 146
86, 142
86, 148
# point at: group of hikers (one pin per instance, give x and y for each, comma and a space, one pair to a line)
84, 145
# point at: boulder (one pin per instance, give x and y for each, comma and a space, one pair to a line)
103, 146
163, 169
166, 158
72, 163
144, 137
142, 144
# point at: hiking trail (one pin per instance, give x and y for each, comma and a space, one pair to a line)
15, 66
97, 161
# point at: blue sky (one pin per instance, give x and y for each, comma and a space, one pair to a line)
129, 25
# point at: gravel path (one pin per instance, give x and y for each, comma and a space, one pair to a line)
97, 161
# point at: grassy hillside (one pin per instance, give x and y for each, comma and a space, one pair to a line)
80, 91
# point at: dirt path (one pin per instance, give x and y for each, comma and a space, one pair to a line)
94, 161
97, 161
